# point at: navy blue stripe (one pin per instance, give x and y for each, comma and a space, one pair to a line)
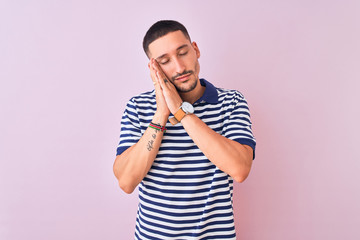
183, 199
182, 191
176, 162
127, 129
169, 140
174, 176
146, 114
132, 114
129, 106
180, 155
123, 123
174, 148
184, 169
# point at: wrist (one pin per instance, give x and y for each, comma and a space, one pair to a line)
184, 110
160, 118
176, 107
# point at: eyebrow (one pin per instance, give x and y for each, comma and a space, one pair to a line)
181, 47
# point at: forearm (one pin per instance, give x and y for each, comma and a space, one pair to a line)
229, 156
133, 164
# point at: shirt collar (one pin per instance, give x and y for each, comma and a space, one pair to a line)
210, 95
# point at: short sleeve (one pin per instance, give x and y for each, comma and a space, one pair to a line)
237, 126
130, 128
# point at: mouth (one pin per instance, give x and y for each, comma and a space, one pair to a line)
183, 78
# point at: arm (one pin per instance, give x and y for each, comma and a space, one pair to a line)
229, 156
132, 165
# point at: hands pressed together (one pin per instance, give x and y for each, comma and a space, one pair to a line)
167, 98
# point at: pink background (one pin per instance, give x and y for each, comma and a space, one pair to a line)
67, 69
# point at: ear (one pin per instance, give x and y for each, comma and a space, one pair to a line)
196, 48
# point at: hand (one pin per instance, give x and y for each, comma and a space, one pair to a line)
161, 106
169, 92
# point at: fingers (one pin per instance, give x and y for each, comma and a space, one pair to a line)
153, 72
161, 80
156, 66
160, 75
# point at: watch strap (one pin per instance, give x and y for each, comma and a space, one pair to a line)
180, 114
173, 121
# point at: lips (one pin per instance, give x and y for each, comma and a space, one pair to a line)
183, 77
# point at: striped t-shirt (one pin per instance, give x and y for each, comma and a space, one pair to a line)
184, 195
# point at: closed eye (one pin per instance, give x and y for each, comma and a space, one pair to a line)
182, 54
164, 62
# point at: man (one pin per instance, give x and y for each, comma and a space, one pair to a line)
183, 144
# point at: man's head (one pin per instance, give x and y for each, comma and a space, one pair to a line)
168, 42
161, 28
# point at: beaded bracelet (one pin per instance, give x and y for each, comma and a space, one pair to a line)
157, 127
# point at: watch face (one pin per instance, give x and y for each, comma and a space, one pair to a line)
187, 107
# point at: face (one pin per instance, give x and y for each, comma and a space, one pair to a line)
178, 58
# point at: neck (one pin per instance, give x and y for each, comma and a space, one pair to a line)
193, 95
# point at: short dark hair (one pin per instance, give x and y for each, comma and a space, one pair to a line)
161, 28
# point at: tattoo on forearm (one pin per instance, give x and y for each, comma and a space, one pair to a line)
150, 145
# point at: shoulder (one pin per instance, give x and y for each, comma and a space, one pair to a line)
229, 95
143, 98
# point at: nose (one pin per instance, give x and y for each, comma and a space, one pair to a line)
179, 66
